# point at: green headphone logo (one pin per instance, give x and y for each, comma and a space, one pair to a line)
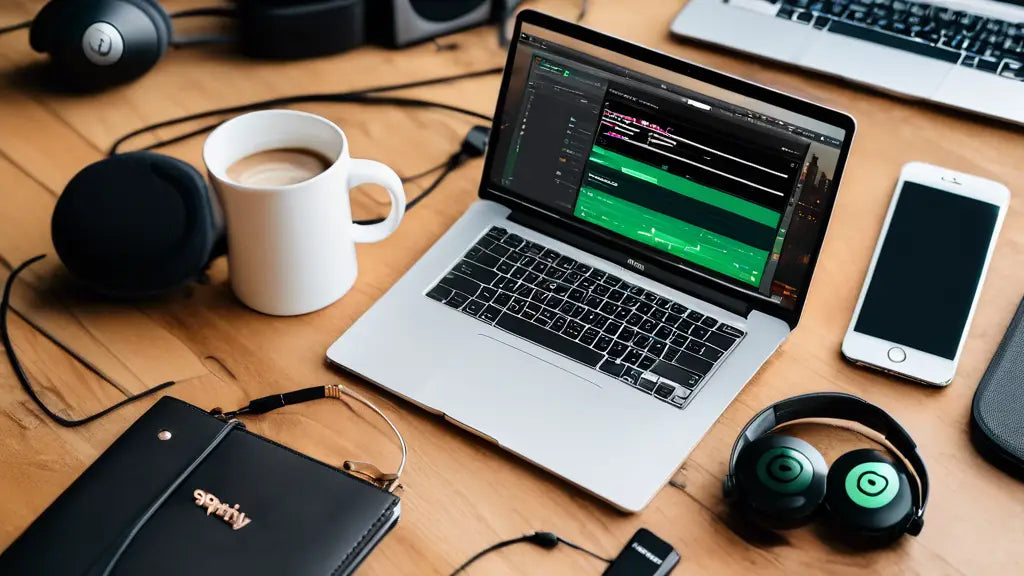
872, 484
784, 470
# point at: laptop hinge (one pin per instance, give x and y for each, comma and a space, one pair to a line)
644, 268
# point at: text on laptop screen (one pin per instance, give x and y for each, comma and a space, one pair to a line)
737, 187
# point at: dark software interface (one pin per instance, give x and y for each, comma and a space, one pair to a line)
931, 232
722, 182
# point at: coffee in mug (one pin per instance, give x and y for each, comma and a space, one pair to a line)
278, 167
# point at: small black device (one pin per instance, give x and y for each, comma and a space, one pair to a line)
95, 44
644, 555
997, 414
398, 23
783, 482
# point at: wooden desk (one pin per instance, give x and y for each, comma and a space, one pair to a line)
463, 494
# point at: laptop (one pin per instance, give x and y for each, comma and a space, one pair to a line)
964, 54
644, 237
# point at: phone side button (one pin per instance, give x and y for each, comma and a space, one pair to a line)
897, 354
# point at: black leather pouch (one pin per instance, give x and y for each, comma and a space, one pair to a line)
997, 415
182, 492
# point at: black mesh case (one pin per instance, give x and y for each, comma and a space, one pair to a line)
997, 415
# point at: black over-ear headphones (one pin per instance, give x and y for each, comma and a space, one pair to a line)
94, 44
783, 482
99, 43
138, 224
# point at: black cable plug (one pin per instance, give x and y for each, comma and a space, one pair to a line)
475, 143
547, 540
274, 401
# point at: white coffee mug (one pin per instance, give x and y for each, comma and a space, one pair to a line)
291, 249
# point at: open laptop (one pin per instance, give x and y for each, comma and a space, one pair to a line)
965, 54
644, 239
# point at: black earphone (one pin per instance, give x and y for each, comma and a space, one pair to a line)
783, 482
95, 44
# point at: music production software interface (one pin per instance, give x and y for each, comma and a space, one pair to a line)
722, 185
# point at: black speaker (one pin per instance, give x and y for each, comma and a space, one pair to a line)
398, 23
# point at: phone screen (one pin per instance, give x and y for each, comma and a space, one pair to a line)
928, 271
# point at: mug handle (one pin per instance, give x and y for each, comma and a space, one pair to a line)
373, 172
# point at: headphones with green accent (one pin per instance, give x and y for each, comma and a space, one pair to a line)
783, 482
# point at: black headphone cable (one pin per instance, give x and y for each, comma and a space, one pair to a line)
365, 95
416, 176
211, 40
211, 11
224, 11
339, 98
470, 149
19, 372
15, 27
546, 540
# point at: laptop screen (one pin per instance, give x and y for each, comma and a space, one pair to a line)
726, 185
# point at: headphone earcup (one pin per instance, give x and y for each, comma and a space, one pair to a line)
94, 44
138, 224
161, 20
779, 481
869, 500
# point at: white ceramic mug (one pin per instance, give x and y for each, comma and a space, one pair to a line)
291, 249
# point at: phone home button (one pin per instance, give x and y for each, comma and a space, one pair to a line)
897, 354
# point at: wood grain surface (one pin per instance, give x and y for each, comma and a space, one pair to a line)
461, 493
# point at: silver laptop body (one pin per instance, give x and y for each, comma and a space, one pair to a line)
980, 70
566, 319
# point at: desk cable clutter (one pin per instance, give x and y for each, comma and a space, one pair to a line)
177, 458
80, 195
107, 191
365, 470
22, 552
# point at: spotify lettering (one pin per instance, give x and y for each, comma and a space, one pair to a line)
231, 515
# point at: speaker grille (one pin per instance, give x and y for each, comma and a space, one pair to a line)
998, 411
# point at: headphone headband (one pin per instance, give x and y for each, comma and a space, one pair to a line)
839, 406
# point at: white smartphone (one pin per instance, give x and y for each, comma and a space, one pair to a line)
925, 277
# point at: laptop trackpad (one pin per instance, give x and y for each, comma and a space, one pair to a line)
503, 385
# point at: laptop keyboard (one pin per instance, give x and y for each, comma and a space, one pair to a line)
956, 36
654, 344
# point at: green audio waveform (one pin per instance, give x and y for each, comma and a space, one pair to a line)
713, 251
